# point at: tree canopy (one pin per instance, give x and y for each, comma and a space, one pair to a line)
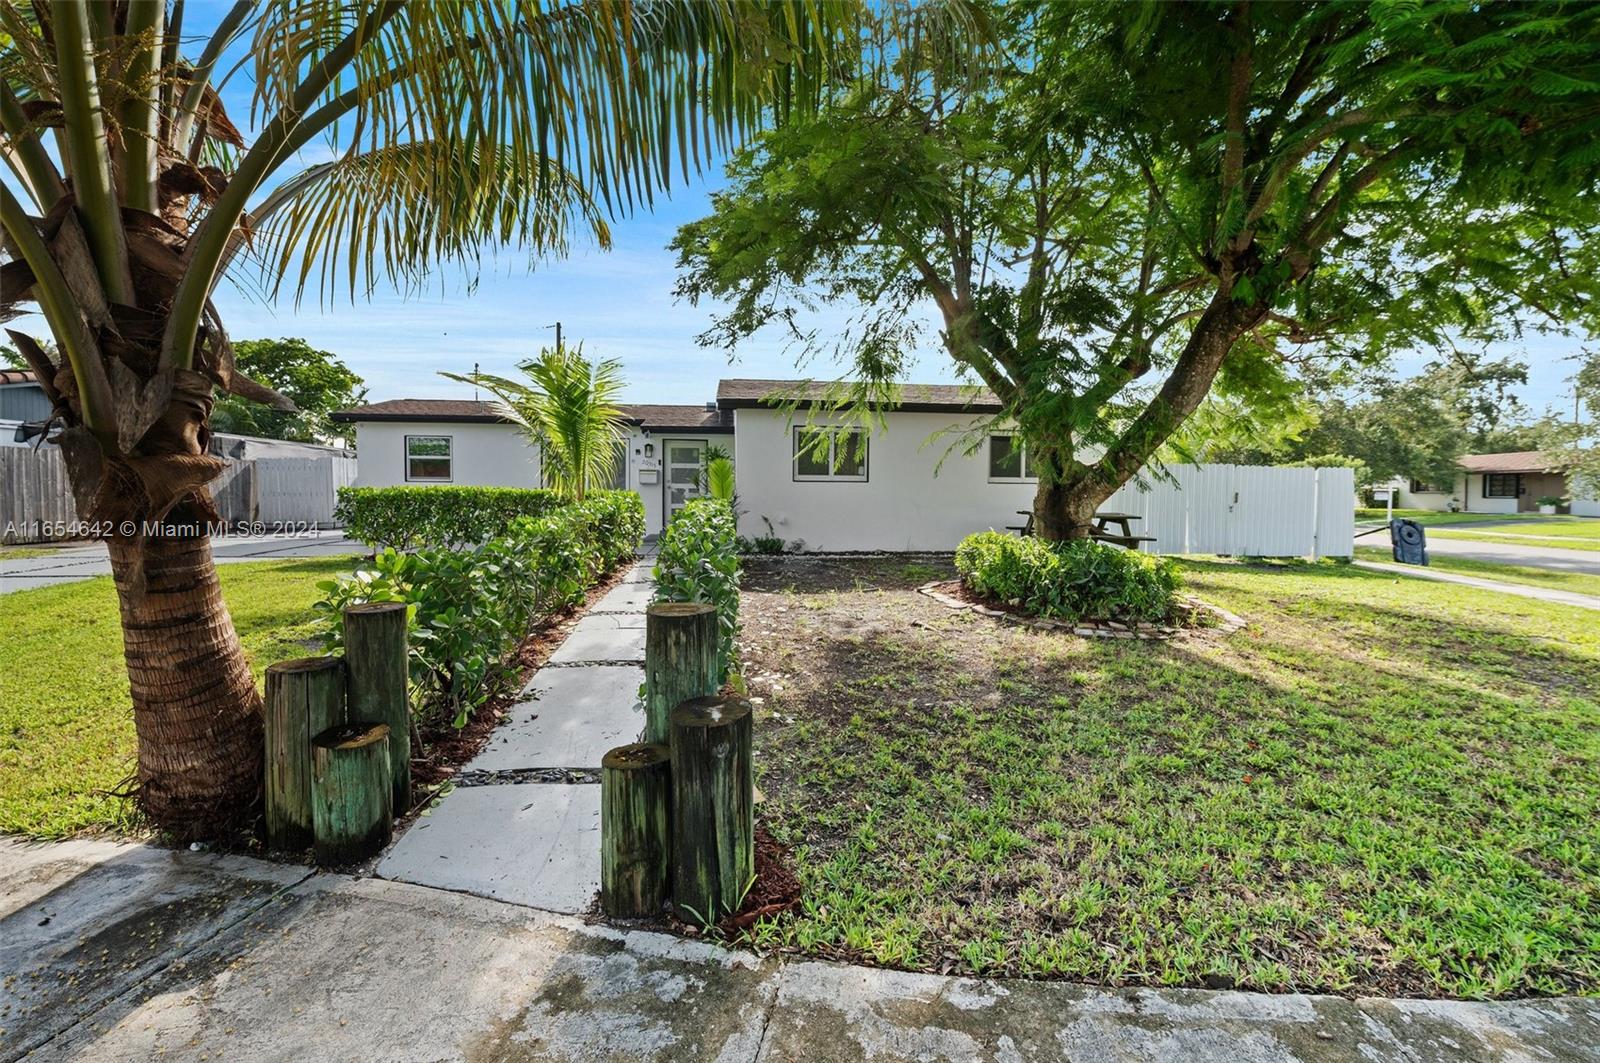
1146, 203
316, 381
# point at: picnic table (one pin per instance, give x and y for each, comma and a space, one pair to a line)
1101, 532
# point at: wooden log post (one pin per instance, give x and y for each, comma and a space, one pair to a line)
680, 661
713, 807
375, 653
635, 830
304, 698
351, 792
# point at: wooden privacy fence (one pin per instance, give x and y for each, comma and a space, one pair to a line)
1245, 510
34, 491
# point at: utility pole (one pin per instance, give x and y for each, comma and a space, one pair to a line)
474, 381
557, 327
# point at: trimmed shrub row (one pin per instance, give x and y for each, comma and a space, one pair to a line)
1069, 580
406, 517
471, 608
699, 562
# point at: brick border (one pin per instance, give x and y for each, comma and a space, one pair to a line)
1227, 623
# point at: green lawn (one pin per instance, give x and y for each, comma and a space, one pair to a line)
1377, 787
1433, 518
66, 724
1577, 582
1531, 537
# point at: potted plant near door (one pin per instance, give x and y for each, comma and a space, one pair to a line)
1548, 504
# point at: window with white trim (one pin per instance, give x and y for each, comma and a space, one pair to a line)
1009, 460
830, 454
428, 458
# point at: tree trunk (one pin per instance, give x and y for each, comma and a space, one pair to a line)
680, 661
1063, 507
635, 830
195, 707
713, 807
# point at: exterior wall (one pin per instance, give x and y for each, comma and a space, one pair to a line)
1438, 501
1536, 486
483, 455
1473, 501
902, 505
23, 402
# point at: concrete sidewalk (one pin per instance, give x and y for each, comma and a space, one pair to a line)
120, 952
1544, 594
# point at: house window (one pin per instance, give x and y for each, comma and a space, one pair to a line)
428, 458
830, 454
1501, 485
1009, 459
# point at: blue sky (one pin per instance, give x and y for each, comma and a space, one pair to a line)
618, 303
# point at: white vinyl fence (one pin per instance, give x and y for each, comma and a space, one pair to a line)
1244, 510
270, 491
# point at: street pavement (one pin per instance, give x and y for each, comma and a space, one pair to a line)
1535, 553
70, 562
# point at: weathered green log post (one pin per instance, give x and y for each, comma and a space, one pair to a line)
351, 792
680, 661
375, 655
713, 807
635, 829
304, 698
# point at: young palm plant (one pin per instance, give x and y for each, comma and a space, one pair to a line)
131, 193
569, 408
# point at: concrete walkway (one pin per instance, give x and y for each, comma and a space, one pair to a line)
119, 952
523, 824
1544, 594
69, 563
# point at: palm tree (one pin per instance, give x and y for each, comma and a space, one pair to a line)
454, 125
569, 409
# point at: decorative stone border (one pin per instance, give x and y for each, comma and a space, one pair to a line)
1227, 623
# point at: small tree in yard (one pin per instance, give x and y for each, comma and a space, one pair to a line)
455, 123
316, 382
569, 408
1152, 201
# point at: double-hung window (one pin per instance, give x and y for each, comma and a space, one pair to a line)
830, 454
428, 458
1009, 461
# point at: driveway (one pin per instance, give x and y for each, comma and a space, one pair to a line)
77, 561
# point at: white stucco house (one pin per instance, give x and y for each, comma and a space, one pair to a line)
922, 475
1497, 483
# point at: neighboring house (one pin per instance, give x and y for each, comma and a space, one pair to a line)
918, 476
21, 399
1496, 483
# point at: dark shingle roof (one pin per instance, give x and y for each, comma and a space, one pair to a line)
914, 398
475, 411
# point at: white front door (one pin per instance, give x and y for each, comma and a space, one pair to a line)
684, 465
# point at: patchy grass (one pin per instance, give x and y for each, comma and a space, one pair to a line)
1576, 582
1520, 539
1370, 789
19, 553
1434, 518
66, 721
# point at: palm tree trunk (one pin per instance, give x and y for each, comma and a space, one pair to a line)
195, 705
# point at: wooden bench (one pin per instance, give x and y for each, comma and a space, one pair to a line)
1101, 532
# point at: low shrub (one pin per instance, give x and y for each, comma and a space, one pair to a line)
1069, 580
406, 517
699, 562
471, 608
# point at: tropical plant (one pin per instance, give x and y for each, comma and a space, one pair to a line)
1150, 202
719, 479
453, 125
698, 561
569, 410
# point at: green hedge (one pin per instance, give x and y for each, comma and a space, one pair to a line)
471, 608
699, 562
406, 517
1069, 580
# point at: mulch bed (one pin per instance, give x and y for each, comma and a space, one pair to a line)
776, 890
1193, 616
